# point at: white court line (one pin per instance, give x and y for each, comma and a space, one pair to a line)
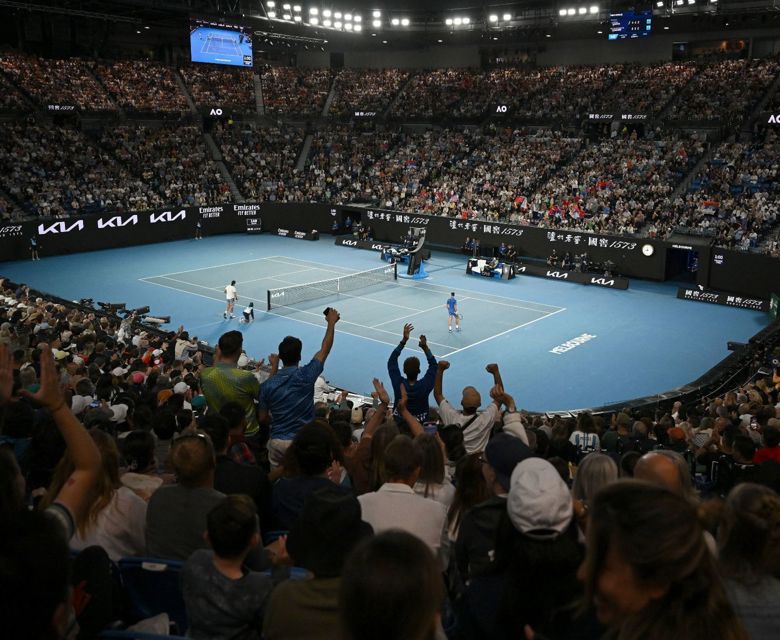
214, 266
438, 306
520, 326
475, 294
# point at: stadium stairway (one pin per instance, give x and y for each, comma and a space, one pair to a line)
305, 147
391, 105
686, 181
259, 102
331, 97
183, 87
216, 156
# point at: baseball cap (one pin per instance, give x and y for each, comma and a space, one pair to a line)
118, 372
198, 402
471, 398
181, 388
138, 377
677, 434
163, 395
503, 453
539, 503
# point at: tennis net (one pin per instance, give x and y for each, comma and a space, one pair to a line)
288, 296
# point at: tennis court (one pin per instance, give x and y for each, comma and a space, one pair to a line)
215, 44
374, 311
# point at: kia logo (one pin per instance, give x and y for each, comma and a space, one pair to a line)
602, 282
167, 216
557, 274
350, 243
278, 294
60, 227
117, 221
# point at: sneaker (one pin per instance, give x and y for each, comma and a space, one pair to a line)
232, 316
458, 329
224, 315
450, 329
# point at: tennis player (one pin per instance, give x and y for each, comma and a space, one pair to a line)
231, 297
452, 308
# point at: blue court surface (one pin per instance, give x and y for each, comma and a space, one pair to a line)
221, 46
560, 345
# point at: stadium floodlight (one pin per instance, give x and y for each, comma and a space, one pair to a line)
571, 12
337, 15
348, 26
286, 16
272, 14
270, 4
404, 22
593, 9
297, 18
493, 17
313, 11
358, 27
326, 23
326, 13
376, 14
337, 24
376, 24
448, 22
347, 17
314, 20
466, 20
691, 1
582, 11
286, 6
458, 21
680, 2
395, 22
297, 8
659, 4
507, 17
561, 12
357, 18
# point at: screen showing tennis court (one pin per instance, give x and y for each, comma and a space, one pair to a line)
219, 43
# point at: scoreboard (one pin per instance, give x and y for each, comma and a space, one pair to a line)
630, 24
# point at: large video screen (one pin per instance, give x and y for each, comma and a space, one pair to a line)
630, 24
219, 43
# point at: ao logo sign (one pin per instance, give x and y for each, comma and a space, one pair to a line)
502, 108
774, 119
215, 112
117, 221
167, 216
60, 227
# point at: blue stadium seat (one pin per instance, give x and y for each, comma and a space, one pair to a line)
154, 586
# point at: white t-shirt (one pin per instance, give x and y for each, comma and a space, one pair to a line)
477, 434
230, 292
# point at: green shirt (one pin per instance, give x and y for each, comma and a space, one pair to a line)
225, 383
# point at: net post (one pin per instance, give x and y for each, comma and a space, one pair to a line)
395, 271
268, 299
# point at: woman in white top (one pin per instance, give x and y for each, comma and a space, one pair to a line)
116, 520
432, 482
584, 436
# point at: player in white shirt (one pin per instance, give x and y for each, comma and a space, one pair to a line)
231, 296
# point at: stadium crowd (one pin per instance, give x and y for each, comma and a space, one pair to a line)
464, 518
220, 87
366, 90
140, 85
288, 90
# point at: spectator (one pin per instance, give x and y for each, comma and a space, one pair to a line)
771, 448
595, 472
225, 382
176, 516
223, 599
584, 437
320, 541
417, 391
667, 469
391, 588
648, 571
432, 482
470, 490
395, 505
475, 426
748, 555
287, 397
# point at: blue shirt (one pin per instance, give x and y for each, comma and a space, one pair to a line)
289, 396
418, 392
451, 302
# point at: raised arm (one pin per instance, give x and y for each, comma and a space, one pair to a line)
431, 372
438, 395
379, 415
493, 370
327, 342
392, 362
273, 360
76, 493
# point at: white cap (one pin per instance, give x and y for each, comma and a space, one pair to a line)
539, 503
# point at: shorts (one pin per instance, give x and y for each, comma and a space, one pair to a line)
453, 314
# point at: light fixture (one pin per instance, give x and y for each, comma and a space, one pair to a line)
440, 41
358, 27
458, 21
507, 17
376, 24
679, 2
272, 14
376, 14
314, 20
348, 17
286, 16
358, 19
297, 18
138, 31
659, 4
582, 11
404, 22
493, 17
495, 37
571, 12
395, 22
667, 28
448, 22
286, 6
593, 9
337, 15
147, 28
270, 4
561, 12
313, 11
337, 24
466, 20
348, 26
384, 41
599, 32
691, 1
297, 8
326, 13
547, 35
326, 23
